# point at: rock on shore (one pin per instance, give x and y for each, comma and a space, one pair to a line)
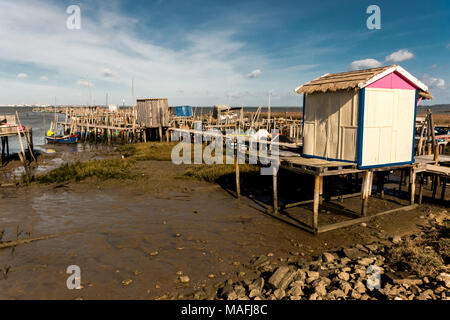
379, 270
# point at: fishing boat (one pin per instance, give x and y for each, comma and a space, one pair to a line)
63, 139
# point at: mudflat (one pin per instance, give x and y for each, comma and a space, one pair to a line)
134, 239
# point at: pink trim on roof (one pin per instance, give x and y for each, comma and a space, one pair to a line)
393, 80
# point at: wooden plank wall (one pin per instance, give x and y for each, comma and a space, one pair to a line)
153, 113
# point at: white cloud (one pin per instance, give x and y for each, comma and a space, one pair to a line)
254, 74
448, 46
107, 73
22, 76
395, 57
431, 82
365, 64
43, 78
399, 56
209, 58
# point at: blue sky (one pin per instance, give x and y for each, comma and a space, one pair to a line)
211, 52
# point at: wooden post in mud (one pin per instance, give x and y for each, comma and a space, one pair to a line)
27, 137
22, 155
433, 138
412, 181
321, 190
238, 184
315, 215
365, 191
275, 190
236, 161
422, 180
160, 131
420, 144
435, 186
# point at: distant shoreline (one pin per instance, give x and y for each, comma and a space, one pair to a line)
438, 108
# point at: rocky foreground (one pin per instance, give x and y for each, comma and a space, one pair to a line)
401, 268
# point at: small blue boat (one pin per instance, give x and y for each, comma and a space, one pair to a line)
63, 139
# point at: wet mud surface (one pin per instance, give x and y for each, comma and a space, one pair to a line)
130, 238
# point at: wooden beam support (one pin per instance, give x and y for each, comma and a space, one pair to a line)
315, 214
412, 181
362, 219
365, 191
238, 182
341, 197
435, 186
275, 191
321, 190
422, 181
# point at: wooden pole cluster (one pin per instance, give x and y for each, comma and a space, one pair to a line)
99, 125
241, 121
428, 145
15, 128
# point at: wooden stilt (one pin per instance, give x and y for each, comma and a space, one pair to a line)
365, 192
315, 214
412, 181
275, 191
321, 191
422, 181
370, 184
238, 184
347, 223
435, 186
22, 155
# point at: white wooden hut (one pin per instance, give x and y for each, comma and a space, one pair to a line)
365, 117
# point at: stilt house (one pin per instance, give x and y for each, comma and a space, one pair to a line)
366, 117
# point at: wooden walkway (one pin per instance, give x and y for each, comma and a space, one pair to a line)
437, 170
319, 168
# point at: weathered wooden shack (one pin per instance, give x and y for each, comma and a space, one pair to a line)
152, 113
365, 117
